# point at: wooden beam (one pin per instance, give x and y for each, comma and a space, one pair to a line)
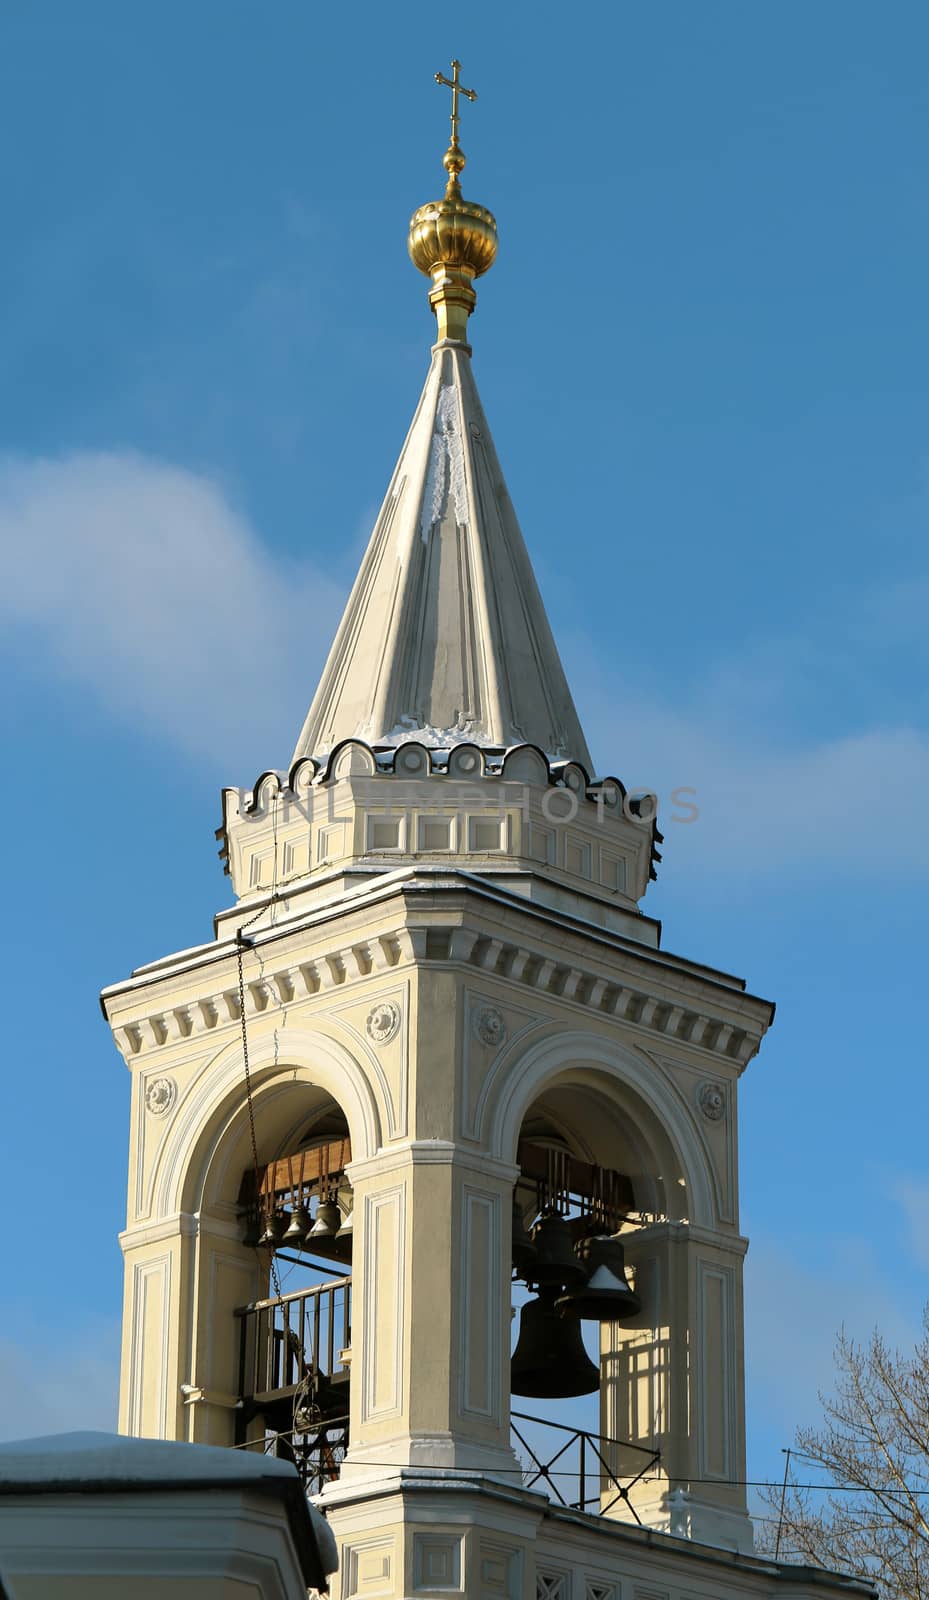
297, 1171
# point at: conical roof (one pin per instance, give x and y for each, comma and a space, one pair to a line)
445, 637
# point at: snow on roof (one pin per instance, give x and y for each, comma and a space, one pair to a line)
82, 1458
78, 1463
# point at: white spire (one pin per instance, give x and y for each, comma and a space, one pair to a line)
444, 637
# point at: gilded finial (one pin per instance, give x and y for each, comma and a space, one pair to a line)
453, 241
454, 159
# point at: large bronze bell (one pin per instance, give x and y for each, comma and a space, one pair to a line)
555, 1262
607, 1295
550, 1362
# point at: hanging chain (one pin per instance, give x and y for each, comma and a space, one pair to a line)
241, 943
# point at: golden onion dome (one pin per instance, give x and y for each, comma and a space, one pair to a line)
453, 240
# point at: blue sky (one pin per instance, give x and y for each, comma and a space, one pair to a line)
703, 353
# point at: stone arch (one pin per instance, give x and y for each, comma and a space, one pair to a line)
658, 1124
212, 1119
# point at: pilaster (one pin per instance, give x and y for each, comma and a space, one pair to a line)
673, 1380
431, 1321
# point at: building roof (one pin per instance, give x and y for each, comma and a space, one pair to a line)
445, 637
95, 1463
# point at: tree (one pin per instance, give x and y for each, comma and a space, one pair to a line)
871, 1518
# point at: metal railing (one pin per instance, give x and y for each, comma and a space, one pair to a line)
294, 1359
587, 1459
294, 1356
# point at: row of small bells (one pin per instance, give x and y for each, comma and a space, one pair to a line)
299, 1230
583, 1280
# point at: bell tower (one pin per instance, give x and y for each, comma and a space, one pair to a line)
435, 1045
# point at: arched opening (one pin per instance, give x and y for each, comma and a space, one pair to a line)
596, 1169
275, 1204
296, 1213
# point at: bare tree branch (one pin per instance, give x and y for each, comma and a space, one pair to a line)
871, 1516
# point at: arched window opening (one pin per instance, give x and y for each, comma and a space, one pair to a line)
296, 1212
588, 1180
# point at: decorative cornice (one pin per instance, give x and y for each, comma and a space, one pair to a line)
469, 761
571, 982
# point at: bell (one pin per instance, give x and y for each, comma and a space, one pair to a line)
346, 1202
252, 1232
606, 1296
523, 1251
550, 1362
273, 1231
343, 1238
555, 1263
327, 1223
297, 1228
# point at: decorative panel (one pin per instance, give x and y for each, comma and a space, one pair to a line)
542, 844
368, 1567
480, 1342
500, 1572
296, 857
487, 833
384, 833
435, 833
148, 1348
261, 869
612, 871
715, 1333
383, 1301
577, 856
436, 1562
331, 842
231, 1284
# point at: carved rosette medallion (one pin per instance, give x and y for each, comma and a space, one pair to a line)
711, 1098
489, 1026
160, 1096
383, 1022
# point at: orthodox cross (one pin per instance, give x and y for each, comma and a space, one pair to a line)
457, 87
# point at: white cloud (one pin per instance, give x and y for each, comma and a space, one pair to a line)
855, 801
141, 581
59, 1384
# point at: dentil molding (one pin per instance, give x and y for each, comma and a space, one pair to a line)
345, 965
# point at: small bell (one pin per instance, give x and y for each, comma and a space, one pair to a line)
273, 1231
345, 1196
607, 1295
297, 1228
327, 1224
343, 1238
550, 1362
252, 1232
555, 1262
